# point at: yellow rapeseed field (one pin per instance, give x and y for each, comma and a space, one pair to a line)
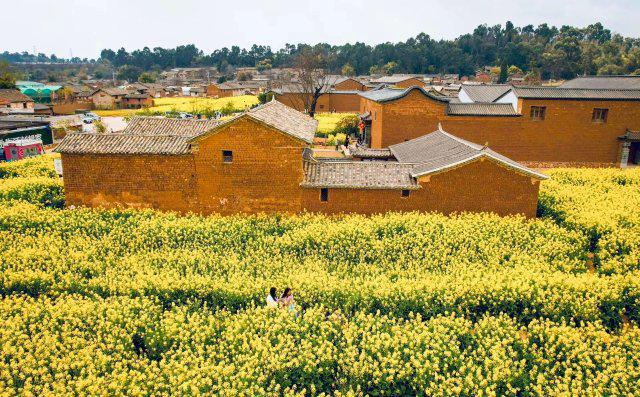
128, 302
186, 104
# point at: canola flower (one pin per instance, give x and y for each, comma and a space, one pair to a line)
75, 345
603, 204
125, 302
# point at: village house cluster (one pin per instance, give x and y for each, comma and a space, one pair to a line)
262, 161
425, 142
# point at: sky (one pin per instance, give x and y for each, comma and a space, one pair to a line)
84, 27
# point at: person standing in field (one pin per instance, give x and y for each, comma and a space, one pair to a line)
272, 300
286, 300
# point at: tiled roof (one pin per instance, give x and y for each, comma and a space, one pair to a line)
80, 143
358, 175
137, 96
10, 95
238, 85
391, 94
481, 109
439, 151
485, 92
575, 93
114, 91
630, 136
166, 126
606, 82
396, 78
365, 152
283, 118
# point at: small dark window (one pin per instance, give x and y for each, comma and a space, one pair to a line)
227, 156
405, 193
321, 106
538, 112
324, 194
599, 115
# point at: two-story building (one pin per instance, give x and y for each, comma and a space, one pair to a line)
537, 125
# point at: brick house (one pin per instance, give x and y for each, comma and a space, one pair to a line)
342, 83
234, 88
13, 101
338, 101
261, 161
400, 80
136, 101
108, 98
545, 126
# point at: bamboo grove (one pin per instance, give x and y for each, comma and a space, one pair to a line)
126, 302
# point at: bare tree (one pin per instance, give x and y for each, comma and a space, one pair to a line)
312, 80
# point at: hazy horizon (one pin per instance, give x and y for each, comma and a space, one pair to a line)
86, 27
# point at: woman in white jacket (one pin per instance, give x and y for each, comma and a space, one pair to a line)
272, 300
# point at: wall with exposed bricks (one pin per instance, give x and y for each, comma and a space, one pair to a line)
265, 175
330, 102
480, 186
158, 181
349, 84
566, 135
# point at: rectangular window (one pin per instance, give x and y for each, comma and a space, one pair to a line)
538, 112
227, 156
405, 193
599, 115
324, 194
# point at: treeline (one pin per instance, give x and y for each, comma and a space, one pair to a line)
25, 57
547, 51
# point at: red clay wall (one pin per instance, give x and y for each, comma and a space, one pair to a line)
162, 182
214, 91
481, 186
264, 176
567, 135
344, 103
349, 85
410, 83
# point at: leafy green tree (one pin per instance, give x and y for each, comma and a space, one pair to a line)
390, 67
263, 65
513, 69
348, 70
504, 74
7, 77
147, 77
265, 97
129, 73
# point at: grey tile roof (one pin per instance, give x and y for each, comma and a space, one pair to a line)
481, 109
630, 136
137, 96
278, 116
485, 92
365, 152
286, 119
114, 91
10, 95
396, 78
167, 126
575, 93
391, 94
439, 151
606, 82
358, 175
80, 143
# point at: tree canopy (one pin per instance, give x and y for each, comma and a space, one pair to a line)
546, 51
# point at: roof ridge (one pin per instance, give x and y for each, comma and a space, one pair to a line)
570, 88
460, 140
